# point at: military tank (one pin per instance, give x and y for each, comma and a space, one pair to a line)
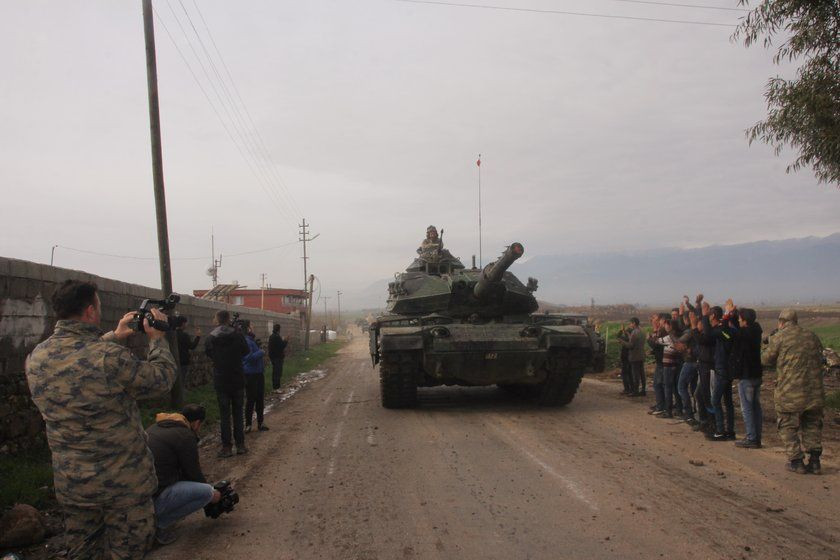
449, 325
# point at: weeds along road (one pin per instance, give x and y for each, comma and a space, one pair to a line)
475, 474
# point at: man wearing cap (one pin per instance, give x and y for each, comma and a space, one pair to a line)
430, 246
796, 354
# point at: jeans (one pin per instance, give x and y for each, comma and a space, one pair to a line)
255, 391
638, 376
687, 377
723, 392
749, 391
276, 372
179, 500
704, 397
231, 403
669, 382
659, 387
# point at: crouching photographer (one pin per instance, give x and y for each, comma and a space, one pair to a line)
182, 487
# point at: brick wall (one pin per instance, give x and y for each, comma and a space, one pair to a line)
26, 318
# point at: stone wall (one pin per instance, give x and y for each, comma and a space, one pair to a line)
26, 318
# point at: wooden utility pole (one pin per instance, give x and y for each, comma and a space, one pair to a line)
262, 290
177, 394
304, 238
339, 309
308, 312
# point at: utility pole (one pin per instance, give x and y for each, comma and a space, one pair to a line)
339, 309
217, 263
177, 394
52, 254
303, 236
325, 298
262, 290
308, 312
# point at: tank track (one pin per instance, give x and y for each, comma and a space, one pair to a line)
398, 380
565, 371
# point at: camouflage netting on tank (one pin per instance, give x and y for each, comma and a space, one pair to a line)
26, 319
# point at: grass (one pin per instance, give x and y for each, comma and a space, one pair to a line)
26, 478
830, 336
205, 395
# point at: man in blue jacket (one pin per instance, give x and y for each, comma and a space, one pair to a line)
254, 367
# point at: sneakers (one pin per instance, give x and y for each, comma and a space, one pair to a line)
262, 428
813, 465
659, 412
797, 466
165, 536
665, 415
747, 444
241, 450
716, 436
247, 428
730, 436
225, 451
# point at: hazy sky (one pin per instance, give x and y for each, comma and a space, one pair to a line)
596, 135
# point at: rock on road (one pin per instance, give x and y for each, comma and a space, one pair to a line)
473, 473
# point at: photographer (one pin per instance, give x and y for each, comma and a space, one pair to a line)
182, 488
186, 343
85, 386
226, 346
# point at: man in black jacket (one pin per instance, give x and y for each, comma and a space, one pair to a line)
746, 366
276, 353
182, 488
226, 347
186, 343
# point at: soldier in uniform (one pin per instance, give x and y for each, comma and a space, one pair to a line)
796, 354
430, 247
86, 386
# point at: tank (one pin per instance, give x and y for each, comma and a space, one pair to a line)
446, 324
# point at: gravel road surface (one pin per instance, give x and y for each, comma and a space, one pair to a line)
474, 473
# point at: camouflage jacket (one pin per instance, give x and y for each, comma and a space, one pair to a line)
85, 387
796, 354
429, 249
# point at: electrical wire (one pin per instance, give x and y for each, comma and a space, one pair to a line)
250, 119
566, 13
227, 130
675, 5
136, 258
244, 134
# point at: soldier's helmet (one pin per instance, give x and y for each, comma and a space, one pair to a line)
788, 315
431, 229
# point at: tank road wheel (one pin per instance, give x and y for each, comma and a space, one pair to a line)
565, 370
398, 380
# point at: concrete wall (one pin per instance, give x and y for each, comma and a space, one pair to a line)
26, 318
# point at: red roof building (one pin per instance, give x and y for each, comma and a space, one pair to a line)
279, 300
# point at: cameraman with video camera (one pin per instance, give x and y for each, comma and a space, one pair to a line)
86, 386
182, 488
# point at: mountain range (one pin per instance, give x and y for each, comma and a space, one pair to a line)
804, 270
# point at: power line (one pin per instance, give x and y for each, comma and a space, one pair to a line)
565, 13
136, 258
245, 108
675, 5
247, 138
268, 192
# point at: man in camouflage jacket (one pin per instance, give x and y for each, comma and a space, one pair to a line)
796, 354
86, 386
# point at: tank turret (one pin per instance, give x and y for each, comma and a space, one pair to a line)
493, 272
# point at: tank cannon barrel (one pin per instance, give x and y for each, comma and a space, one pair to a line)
493, 272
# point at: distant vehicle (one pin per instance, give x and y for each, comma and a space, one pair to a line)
448, 325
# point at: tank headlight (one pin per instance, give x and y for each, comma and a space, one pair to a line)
439, 332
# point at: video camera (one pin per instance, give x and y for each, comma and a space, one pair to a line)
225, 505
241, 325
145, 312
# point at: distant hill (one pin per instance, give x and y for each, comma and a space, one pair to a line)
769, 272
763, 272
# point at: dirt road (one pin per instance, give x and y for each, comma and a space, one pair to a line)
475, 474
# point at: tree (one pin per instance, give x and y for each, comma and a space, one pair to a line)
803, 113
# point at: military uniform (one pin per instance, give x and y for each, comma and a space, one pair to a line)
799, 398
86, 388
429, 249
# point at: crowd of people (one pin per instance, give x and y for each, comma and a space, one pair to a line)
122, 487
700, 350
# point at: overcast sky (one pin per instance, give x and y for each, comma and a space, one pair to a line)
596, 135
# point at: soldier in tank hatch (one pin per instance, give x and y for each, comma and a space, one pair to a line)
86, 386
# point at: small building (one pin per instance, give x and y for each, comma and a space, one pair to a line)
279, 300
